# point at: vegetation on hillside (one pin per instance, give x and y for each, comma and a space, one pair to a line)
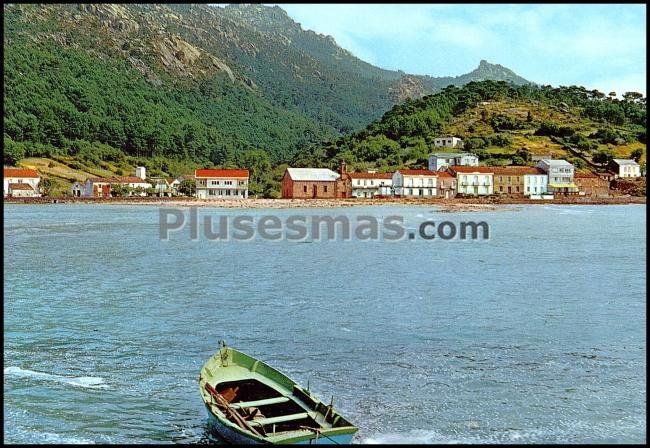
501, 122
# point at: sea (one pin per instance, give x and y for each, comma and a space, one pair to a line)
534, 334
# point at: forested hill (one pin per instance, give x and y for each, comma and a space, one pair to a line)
503, 124
197, 83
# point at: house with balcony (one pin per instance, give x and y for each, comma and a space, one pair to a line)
415, 183
221, 183
560, 176
21, 182
370, 184
441, 160
473, 180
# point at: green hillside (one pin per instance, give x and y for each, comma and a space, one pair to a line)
503, 124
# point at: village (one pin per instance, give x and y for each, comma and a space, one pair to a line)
449, 175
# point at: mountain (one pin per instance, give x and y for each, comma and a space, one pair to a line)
204, 84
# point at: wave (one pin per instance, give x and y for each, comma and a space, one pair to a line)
90, 382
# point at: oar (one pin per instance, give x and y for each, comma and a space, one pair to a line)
223, 403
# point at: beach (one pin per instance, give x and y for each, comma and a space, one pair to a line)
456, 204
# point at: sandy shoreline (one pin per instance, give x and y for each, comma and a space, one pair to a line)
449, 204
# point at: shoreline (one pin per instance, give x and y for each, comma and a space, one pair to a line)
252, 203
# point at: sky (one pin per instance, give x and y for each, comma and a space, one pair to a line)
598, 46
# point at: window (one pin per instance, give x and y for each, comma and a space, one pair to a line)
325, 188
304, 189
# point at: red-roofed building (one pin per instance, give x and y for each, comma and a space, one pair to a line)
221, 183
371, 184
415, 183
18, 176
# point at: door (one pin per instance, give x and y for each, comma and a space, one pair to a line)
315, 191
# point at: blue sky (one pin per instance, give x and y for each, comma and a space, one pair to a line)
598, 46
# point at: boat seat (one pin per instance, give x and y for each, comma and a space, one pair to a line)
278, 419
258, 403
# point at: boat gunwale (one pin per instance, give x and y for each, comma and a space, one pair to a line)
214, 361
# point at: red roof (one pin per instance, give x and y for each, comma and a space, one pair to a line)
20, 187
444, 174
471, 169
513, 170
20, 172
371, 175
221, 173
418, 172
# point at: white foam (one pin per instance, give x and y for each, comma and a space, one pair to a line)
90, 382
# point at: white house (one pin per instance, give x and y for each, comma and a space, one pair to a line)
560, 176
78, 189
441, 160
21, 182
473, 180
625, 168
415, 183
141, 172
221, 183
535, 183
447, 142
370, 184
101, 187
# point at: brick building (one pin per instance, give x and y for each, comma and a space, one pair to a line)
591, 184
316, 183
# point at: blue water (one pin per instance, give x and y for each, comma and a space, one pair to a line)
535, 335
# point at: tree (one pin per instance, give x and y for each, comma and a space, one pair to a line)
632, 97
13, 152
187, 187
603, 157
119, 190
529, 117
516, 160
636, 154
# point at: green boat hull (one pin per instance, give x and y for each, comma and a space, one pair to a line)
290, 413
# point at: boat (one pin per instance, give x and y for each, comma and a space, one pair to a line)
250, 402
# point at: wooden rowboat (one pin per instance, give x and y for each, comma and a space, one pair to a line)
250, 402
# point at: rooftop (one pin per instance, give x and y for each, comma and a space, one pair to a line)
21, 186
471, 169
20, 172
417, 172
450, 154
228, 173
513, 170
625, 162
371, 175
556, 162
312, 174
